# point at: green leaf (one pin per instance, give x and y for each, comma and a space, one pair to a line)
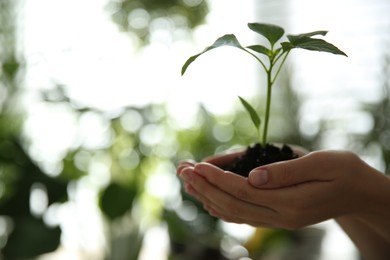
260, 49
226, 40
295, 39
116, 200
276, 51
271, 32
287, 46
30, 237
305, 41
252, 112
313, 44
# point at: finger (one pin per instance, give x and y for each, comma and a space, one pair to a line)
238, 186
234, 211
218, 213
196, 185
230, 209
184, 164
274, 206
215, 212
229, 203
208, 205
222, 160
298, 150
288, 173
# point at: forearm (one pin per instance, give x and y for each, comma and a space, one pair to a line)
296, 193
369, 226
376, 210
370, 244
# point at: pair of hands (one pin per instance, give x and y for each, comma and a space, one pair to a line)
292, 194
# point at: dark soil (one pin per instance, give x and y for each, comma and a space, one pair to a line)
257, 155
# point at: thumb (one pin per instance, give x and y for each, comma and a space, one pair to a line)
286, 173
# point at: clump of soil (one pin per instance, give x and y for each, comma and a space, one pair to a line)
257, 155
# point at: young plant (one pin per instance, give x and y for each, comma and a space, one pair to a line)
271, 58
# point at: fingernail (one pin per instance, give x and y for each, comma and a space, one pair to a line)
182, 169
258, 177
186, 176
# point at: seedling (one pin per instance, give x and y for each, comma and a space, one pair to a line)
271, 58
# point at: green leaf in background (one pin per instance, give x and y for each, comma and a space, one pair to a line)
252, 112
31, 237
271, 32
226, 40
116, 200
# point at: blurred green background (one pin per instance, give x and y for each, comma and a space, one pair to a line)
110, 190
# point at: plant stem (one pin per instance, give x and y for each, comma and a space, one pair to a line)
270, 82
281, 64
267, 105
257, 58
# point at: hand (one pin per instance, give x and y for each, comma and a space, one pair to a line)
300, 192
224, 159
293, 194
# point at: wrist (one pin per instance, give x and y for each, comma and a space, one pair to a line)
376, 190
373, 196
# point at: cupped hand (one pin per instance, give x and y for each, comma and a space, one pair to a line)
224, 159
219, 160
290, 194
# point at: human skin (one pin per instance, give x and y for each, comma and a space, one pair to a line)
293, 194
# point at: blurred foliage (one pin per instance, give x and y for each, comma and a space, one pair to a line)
144, 143
141, 144
141, 147
131, 160
379, 136
122, 205
24, 233
146, 17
